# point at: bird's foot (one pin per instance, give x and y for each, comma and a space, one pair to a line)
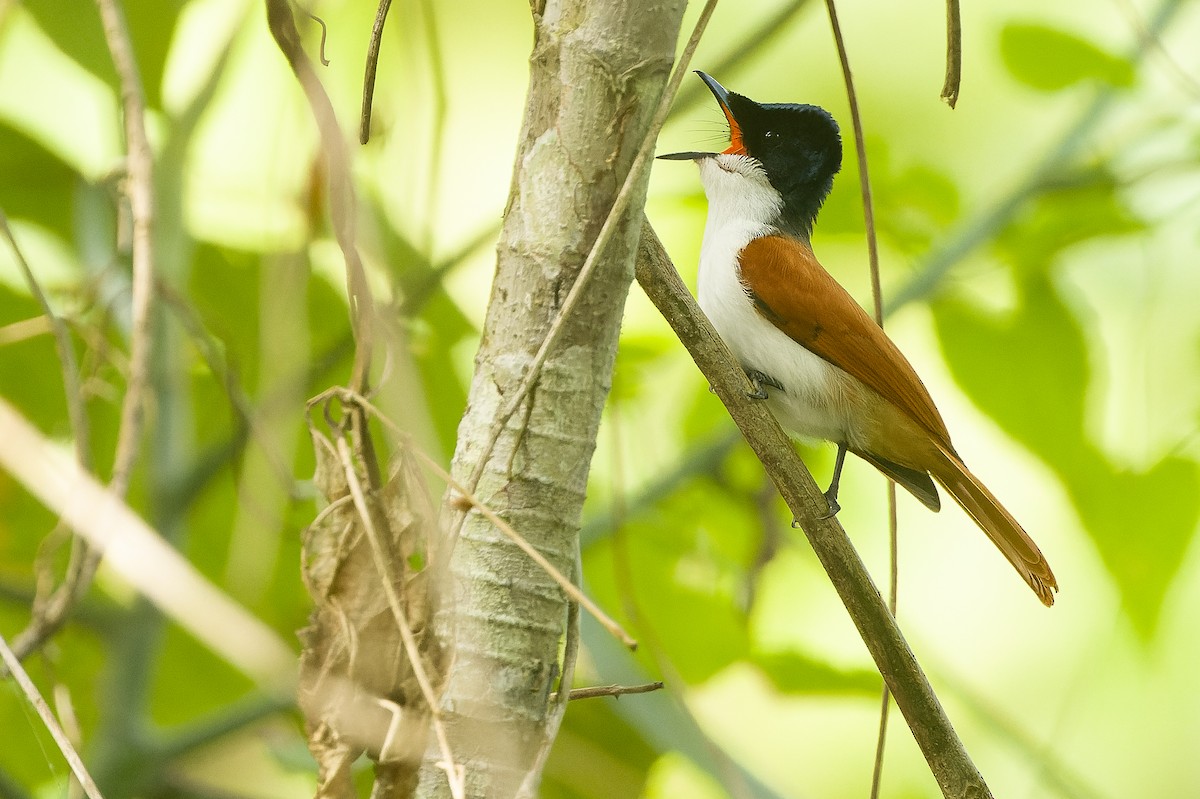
760, 381
832, 492
834, 507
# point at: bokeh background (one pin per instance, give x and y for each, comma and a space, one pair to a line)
1039, 249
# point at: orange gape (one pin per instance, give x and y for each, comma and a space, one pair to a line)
735, 135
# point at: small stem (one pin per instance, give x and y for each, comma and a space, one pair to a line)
613, 690
860, 147
368, 96
953, 80
43, 710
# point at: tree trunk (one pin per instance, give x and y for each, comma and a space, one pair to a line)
597, 70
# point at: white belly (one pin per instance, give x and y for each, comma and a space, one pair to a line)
811, 403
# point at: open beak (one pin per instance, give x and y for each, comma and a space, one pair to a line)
735, 132
736, 147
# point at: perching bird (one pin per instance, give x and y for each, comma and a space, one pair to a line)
825, 368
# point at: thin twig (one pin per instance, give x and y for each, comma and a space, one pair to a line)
50, 613
139, 188
76, 412
615, 217
43, 710
368, 97
613, 690
324, 36
885, 701
340, 184
860, 148
454, 774
953, 82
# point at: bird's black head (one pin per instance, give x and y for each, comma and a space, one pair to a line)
799, 147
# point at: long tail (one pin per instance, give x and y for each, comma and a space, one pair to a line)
998, 523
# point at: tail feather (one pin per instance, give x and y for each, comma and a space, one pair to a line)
998, 523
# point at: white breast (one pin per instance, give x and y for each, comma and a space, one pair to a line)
741, 207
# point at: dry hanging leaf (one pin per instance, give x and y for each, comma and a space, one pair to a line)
358, 689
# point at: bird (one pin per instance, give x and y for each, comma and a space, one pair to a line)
824, 367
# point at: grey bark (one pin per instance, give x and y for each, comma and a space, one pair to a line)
596, 72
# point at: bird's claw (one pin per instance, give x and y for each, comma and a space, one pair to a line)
760, 381
834, 507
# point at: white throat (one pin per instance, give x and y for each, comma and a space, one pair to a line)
742, 206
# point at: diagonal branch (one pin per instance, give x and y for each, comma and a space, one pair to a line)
944, 752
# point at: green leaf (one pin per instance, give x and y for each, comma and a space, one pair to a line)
597, 755
77, 32
1048, 59
793, 672
34, 183
915, 206
1080, 207
1141, 523
684, 558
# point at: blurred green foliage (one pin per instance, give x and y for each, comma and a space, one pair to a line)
1050, 59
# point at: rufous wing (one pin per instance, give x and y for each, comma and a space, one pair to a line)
792, 290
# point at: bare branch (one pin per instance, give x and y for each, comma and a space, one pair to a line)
140, 190
341, 185
49, 616
944, 752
